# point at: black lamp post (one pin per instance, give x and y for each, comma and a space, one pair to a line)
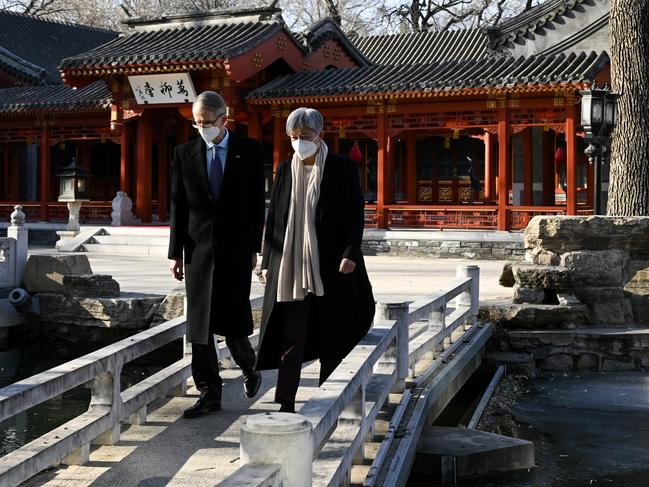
598, 118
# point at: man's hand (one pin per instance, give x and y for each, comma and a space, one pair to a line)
347, 266
176, 268
254, 260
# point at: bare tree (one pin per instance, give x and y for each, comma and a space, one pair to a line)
442, 15
629, 41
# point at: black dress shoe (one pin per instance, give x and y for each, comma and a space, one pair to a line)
206, 404
252, 383
287, 407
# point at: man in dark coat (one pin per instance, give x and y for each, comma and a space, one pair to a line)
217, 218
339, 318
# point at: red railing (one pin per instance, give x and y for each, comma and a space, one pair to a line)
464, 217
91, 211
519, 216
371, 220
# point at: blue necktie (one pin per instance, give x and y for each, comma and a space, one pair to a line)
216, 173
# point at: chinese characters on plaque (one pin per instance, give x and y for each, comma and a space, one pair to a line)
163, 88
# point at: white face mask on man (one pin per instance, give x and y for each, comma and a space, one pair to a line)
209, 133
304, 148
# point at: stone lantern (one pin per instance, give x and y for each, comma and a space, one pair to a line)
73, 190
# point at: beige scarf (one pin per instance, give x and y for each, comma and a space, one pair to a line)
299, 271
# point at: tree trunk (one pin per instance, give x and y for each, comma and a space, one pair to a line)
629, 44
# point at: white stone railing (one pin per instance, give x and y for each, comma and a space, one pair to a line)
341, 414
100, 424
7, 263
13, 251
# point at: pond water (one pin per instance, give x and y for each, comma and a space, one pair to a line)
588, 429
29, 358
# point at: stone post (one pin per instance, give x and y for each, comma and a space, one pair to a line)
122, 213
472, 297
104, 390
398, 312
280, 438
74, 208
18, 232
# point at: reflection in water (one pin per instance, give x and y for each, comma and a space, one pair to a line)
28, 359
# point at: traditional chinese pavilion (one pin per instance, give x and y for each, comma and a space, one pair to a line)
461, 129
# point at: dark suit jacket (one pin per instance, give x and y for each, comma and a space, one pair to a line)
217, 238
344, 314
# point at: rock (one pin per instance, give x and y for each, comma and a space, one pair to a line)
567, 299
90, 286
588, 361
617, 365
560, 234
44, 273
507, 277
557, 361
540, 256
555, 278
535, 316
595, 268
129, 312
528, 295
640, 308
638, 277
608, 305
172, 307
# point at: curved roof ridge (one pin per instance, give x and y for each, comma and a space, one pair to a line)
56, 21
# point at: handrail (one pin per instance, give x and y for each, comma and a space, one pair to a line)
109, 405
342, 411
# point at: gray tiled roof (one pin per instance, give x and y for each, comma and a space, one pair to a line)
425, 47
493, 72
327, 29
519, 26
183, 43
20, 68
95, 96
43, 43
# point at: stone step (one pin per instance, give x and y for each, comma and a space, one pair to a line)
162, 241
596, 348
515, 363
446, 453
126, 249
139, 230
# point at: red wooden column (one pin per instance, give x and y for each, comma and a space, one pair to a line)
411, 173
13, 162
163, 178
571, 158
504, 164
5, 173
278, 134
143, 174
389, 174
488, 169
254, 123
45, 172
528, 168
549, 171
382, 172
124, 160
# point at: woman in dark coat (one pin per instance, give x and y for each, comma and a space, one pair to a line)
318, 301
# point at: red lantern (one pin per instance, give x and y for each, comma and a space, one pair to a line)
355, 154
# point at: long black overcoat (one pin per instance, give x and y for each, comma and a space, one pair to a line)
345, 312
217, 238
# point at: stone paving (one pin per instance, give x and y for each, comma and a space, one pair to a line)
169, 450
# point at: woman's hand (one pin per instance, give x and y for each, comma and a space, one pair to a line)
347, 266
176, 268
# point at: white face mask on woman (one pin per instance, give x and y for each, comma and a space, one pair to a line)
209, 133
304, 148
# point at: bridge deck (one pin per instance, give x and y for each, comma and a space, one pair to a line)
169, 450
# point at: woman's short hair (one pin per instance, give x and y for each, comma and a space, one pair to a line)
304, 118
212, 101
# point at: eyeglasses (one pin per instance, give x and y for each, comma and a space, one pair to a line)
198, 125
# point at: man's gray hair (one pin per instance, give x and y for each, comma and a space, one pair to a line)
212, 101
304, 118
